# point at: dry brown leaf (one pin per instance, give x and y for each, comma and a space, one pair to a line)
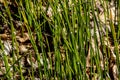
32, 61
2, 71
24, 38
115, 72
3, 36
1, 1
23, 49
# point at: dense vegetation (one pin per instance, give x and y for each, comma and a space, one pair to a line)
59, 39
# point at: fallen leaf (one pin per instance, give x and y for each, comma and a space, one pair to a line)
23, 49
24, 38
7, 47
3, 36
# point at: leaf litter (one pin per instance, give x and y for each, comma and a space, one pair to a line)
26, 48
